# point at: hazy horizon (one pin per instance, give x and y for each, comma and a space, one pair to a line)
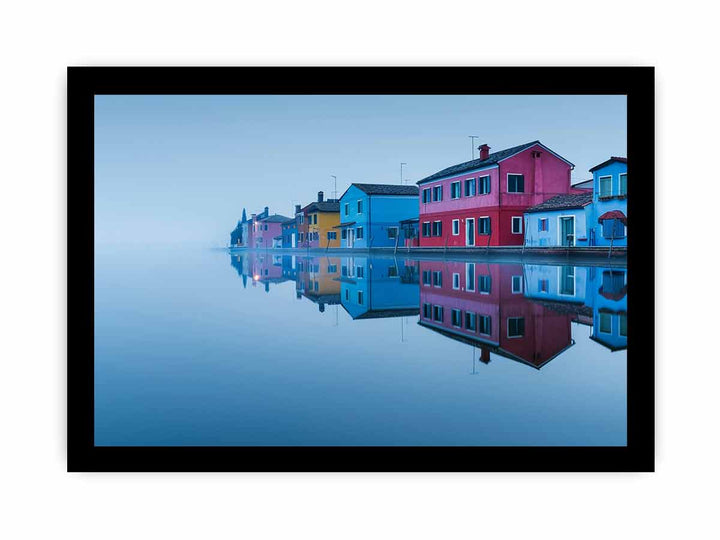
180, 169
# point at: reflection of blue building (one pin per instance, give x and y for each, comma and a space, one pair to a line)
608, 219
565, 283
370, 214
610, 307
560, 221
378, 288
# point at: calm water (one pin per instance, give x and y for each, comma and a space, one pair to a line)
209, 348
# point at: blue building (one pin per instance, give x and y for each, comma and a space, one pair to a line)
290, 231
608, 216
609, 304
370, 214
565, 283
560, 221
379, 287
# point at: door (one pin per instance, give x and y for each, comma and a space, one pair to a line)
294, 243
567, 231
350, 237
470, 232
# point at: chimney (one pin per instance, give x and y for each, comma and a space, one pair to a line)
320, 196
267, 211
484, 151
297, 208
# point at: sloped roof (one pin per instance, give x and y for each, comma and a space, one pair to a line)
560, 202
492, 159
325, 206
585, 184
275, 218
614, 214
387, 189
608, 162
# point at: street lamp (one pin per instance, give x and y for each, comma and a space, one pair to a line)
472, 145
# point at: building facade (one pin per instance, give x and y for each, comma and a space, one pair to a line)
560, 221
319, 224
267, 230
609, 208
482, 202
290, 231
371, 214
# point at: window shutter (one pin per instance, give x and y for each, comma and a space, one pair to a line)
619, 229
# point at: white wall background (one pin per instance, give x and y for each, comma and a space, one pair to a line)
38, 40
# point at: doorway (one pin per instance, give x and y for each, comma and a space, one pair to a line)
470, 232
567, 231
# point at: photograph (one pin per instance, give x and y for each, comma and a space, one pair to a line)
290, 279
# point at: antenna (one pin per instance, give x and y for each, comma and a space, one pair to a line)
472, 145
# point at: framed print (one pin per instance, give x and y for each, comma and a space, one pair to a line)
361, 269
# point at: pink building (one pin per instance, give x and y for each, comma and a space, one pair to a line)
266, 229
481, 202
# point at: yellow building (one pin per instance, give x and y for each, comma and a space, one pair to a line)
321, 221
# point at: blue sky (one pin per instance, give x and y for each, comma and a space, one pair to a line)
180, 169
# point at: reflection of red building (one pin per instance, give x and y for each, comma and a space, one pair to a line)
484, 305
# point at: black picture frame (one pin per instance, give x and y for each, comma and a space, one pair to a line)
637, 83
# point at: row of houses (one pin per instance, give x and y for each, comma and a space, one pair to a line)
522, 312
518, 196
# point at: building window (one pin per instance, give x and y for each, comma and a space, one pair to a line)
437, 193
623, 324
485, 324
516, 183
437, 228
605, 186
360, 298
515, 327
359, 233
517, 284
484, 225
426, 196
426, 277
343, 270
437, 279
542, 224
613, 228
605, 323
347, 293
392, 233
427, 311
517, 223
302, 218
543, 285
438, 313
456, 318
360, 271
332, 235
469, 187
470, 276
484, 284
393, 271
623, 184
455, 227
456, 281
360, 207
484, 185
455, 190
426, 228
302, 236
343, 234
470, 321
347, 208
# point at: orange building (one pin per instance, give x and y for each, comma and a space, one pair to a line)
320, 221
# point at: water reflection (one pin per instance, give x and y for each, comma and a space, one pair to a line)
520, 312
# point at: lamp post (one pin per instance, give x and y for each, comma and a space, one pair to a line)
472, 145
401, 172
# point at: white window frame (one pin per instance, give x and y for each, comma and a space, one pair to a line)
360, 299
455, 224
433, 231
559, 228
519, 289
453, 311
512, 224
360, 206
620, 175
489, 223
456, 281
507, 328
560, 279
489, 177
477, 324
600, 330
545, 221
397, 232
507, 183
473, 182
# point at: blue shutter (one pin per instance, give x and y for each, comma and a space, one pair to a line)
619, 229
608, 226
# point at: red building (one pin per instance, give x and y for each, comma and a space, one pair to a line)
481, 202
484, 306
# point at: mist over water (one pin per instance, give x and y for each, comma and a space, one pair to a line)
202, 347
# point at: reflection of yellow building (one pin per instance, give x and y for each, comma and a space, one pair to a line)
318, 280
323, 217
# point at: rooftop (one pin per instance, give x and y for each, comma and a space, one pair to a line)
608, 162
560, 202
387, 189
331, 205
275, 218
492, 159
